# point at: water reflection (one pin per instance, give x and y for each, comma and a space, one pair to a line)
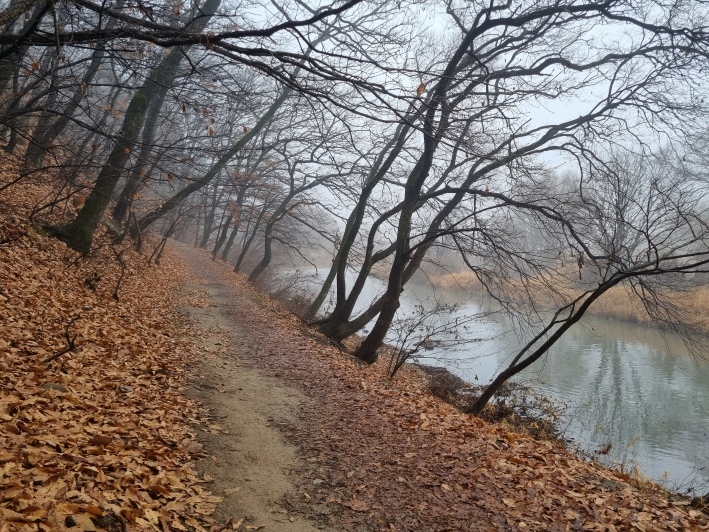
623, 384
637, 390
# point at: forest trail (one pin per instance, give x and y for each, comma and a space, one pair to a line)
250, 462
312, 439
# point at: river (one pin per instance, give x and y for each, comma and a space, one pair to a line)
621, 383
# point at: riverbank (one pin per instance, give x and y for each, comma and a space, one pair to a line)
379, 454
627, 395
108, 434
620, 303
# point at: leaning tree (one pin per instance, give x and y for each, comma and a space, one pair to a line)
470, 112
523, 87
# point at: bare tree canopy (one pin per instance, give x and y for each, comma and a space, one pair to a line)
519, 137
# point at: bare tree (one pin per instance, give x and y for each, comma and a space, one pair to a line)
406, 138
509, 61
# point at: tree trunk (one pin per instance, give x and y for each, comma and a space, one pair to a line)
79, 234
367, 350
12, 55
46, 135
230, 242
199, 221
196, 185
518, 365
10, 64
341, 329
240, 195
275, 217
354, 222
167, 73
209, 217
432, 135
247, 241
221, 237
267, 254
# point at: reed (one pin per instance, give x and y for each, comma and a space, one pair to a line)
688, 306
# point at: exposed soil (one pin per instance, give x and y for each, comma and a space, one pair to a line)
250, 463
312, 439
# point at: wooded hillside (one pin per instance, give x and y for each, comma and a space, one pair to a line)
96, 434
93, 425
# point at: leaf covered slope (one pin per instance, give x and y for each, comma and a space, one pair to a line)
387, 455
98, 437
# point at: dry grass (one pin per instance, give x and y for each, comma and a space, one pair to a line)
618, 303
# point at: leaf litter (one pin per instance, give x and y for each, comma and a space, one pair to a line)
102, 437
387, 455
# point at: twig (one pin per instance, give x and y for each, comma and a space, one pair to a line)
158, 251
136, 231
12, 239
119, 256
71, 345
13, 182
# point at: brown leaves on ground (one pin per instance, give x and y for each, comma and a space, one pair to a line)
384, 455
99, 438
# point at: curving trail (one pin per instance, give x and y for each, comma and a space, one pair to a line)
250, 462
312, 440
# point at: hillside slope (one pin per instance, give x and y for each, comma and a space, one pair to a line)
96, 431
100, 435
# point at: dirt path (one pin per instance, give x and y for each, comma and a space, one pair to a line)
311, 439
250, 462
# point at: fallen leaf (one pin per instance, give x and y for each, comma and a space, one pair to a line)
83, 522
100, 440
357, 505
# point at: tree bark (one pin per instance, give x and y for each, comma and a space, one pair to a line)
167, 73
237, 222
79, 233
432, 135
